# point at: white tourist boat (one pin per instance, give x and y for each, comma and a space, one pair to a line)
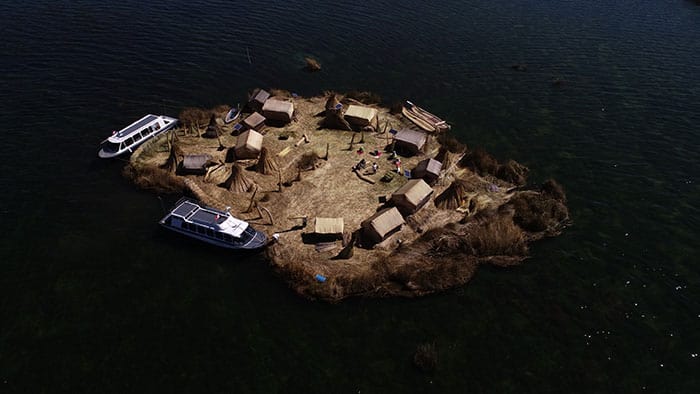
135, 134
207, 224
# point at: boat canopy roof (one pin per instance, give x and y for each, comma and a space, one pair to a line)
209, 217
135, 127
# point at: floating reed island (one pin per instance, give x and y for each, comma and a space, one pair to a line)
358, 199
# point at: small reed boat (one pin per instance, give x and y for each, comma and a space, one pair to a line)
424, 119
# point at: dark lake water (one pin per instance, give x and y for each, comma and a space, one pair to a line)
95, 297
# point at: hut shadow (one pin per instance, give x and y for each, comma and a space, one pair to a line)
314, 238
275, 123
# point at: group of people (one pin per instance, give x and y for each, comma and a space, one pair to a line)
375, 167
363, 163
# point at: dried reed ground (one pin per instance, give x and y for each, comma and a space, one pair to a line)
333, 190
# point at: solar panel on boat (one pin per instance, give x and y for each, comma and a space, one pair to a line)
184, 209
138, 125
207, 217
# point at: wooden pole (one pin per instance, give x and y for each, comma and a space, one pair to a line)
252, 200
328, 145
279, 178
352, 141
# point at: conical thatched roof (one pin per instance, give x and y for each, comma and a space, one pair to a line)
334, 116
331, 102
174, 158
213, 130
452, 197
217, 174
266, 163
237, 182
446, 157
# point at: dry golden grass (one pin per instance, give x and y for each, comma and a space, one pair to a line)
436, 252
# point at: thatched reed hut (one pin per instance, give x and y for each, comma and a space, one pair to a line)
278, 110
174, 158
412, 196
254, 121
446, 157
329, 227
217, 174
428, 170
238, 182
359, 115
257, 99
195, 164
248, 145
332, 103
213, 129
409, 142
382, 224
453, 196
266, 163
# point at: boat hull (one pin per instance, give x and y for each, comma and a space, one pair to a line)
258, 241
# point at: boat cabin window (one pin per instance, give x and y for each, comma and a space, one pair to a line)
227, 238
137, 137
156, 126
210, 233
129, 141
200, 229
218, 235
110, 147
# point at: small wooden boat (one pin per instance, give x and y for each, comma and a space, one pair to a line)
220, 228
424, 119
232, 115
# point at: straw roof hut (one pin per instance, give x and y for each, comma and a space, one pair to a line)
248, 145
237, 182
254, 121
453, 196
258, 99
446, 157
217, 174
213, 129
412, 196
360, 115
266, 163
278, 110
428, 169
174, 158
195, 164
410, 141
332, 102
329, 227
382, 224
